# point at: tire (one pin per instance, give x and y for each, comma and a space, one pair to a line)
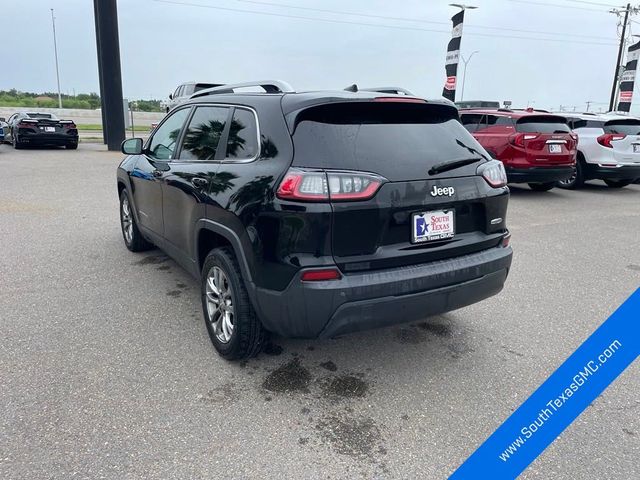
617, 183
131, 235
542, 187
577, 180
235, 330
71, 146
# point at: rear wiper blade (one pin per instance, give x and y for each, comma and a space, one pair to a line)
452, 165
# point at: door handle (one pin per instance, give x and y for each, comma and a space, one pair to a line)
157, 173
199, 182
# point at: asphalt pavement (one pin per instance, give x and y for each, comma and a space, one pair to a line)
106, 369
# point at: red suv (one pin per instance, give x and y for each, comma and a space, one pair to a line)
536, 147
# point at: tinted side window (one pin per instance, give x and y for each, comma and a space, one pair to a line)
470, 121
203, 133
243, 136
163, 143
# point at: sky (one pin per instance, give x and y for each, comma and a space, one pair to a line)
545, 53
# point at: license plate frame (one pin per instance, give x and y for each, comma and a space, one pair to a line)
636, 147
432, 226
50, 129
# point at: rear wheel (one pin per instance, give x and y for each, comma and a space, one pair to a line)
542, 187
133, 239
71, 146
576, 180
617, 183
232, 323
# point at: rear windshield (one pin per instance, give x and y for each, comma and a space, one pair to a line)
41, 115
626, 127
542, 124
396, 140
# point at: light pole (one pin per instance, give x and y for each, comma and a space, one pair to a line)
464, 72
55, 50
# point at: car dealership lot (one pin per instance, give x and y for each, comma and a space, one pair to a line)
107, 370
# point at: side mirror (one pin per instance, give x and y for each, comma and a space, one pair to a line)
171, 96
132, 146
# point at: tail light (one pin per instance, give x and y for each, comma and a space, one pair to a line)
606, 139
68, 124
321, 186
321, 275
518, 139
506, 240
494, 174
27, 123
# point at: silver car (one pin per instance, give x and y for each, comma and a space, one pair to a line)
184, 91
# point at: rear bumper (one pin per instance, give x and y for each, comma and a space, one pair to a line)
376, 299
624, 172
47, 139
538, 174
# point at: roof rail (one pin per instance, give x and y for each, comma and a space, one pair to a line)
269, 86
392, 90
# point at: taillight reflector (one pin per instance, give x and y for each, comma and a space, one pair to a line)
321, 275
314, 186
606, 139
519, 138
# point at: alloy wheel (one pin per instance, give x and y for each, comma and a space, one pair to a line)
127, 220
219, 304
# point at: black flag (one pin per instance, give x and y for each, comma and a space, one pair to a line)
628, 78
453, 54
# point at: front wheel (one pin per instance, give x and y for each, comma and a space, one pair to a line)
617, 183
133, 239
232, 323
542, 187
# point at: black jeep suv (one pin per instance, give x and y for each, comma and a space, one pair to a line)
318, 213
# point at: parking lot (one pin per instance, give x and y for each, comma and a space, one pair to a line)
107, 370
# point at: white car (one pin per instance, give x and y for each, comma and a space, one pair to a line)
184, 92
608, 149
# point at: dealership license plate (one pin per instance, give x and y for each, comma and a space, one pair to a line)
429, 226
49, 129
636, 148
553, 148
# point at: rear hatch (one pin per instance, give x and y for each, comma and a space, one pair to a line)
400, 142
46, 124
546, 139
625, 139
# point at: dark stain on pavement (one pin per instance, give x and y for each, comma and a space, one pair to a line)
329, 365
634, 267
410, 335
346, 386
163, 267
174, 293
181, 285
290, 377
357, 436
272, 349
438, 329
151, 260
629, 432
